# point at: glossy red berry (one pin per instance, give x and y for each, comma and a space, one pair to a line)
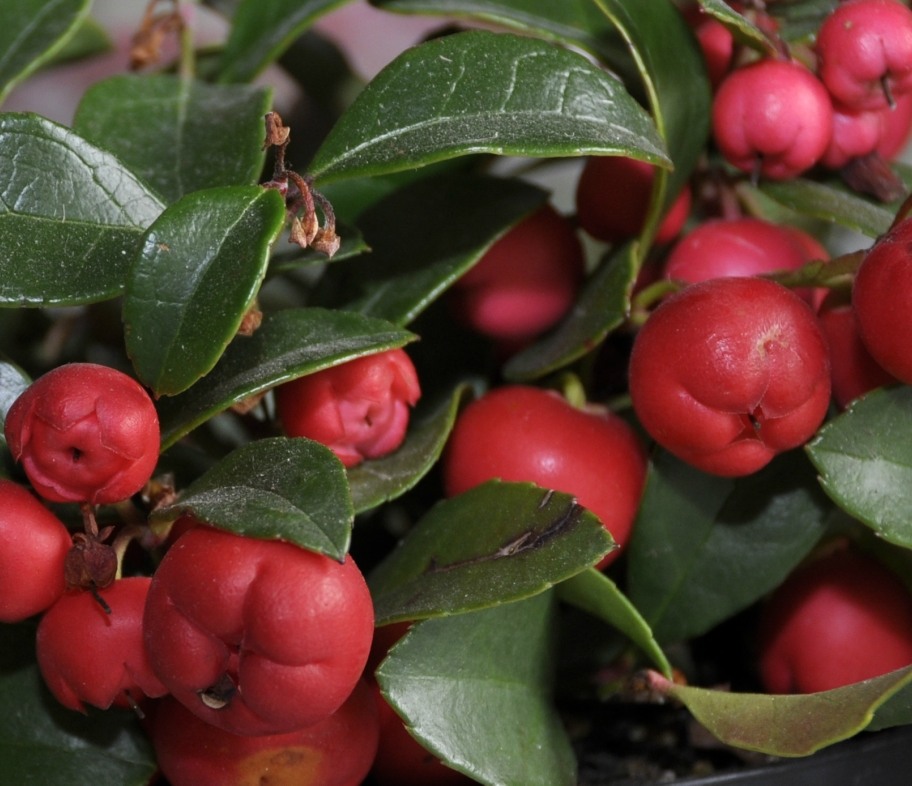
864, 51
522, 433
256, 636
525, 282
359, 409
613, 195
729, 372
840, 619
33, 549
882, 301
773, 118
84, 433
91, 655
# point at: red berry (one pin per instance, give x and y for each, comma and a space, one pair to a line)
521, 433
864, 50
84, 433
91, 655
840, 619
359, 409
716, 43
772, 117
33, 547
525, 282
336, 751
613, 195
257, 636
882, 300
728, 372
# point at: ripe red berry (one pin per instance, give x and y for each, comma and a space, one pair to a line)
882, 300
336, 751
840, 619
33, 548
864, 51
522, 433
256, 636
728, 372
359, 409
84, 433
716, 43
89, 655
773, 118
612, 199
525, 282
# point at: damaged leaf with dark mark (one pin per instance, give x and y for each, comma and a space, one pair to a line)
496, 543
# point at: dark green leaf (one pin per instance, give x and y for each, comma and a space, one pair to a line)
495, 543
474, 689
71, 215
32, 32
787, 725
261, 30
695, 535
44, 744
602, 306
199, 270
375, 482
832, 202
275, 488
895, 711
866, 467
288, 344
477, 92
178, 135
410, 267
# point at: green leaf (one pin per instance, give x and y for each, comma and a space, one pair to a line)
71, 216
495, 543
865, 467
596, 594
178, 135
374, 482
787, 725
895, 711
602, 306
261, 30
32, 32
481, 92
411, 267
740, 26
673, 71
41, 742
474, 689
288, 344
278, 488
831, 202
696, 533
196, 276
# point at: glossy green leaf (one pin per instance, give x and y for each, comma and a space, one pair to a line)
602, 306
288, 344
481, 92
474, 689
787, 725
178, 135
864, 467
41, 742
695, 533
261, 30
595, 593
71, 215
32, 32
278, 488
832, 202
410, 267
495, 543
740, 26
200, 267
380, 480
674, 77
